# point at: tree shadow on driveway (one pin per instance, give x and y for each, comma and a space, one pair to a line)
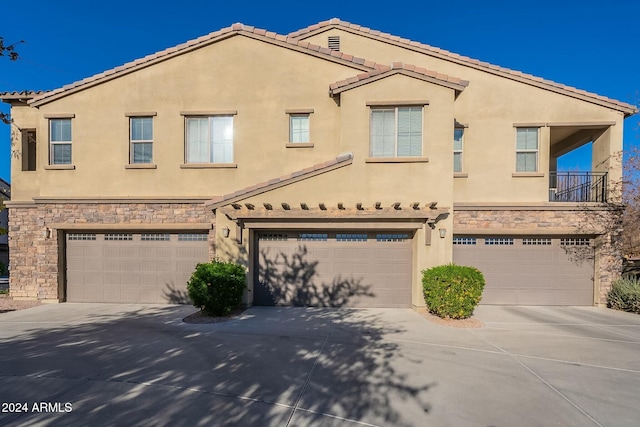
143, 366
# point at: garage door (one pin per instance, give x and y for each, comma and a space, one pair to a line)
351, 269
530, 271
131, 267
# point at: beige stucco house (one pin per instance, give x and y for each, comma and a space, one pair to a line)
336, 163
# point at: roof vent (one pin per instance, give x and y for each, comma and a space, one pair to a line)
334, 42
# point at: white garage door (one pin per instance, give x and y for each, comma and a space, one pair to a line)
335, 269
530, 270
132, 267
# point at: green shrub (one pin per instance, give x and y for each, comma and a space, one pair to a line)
625, 295
216, 287
452, 291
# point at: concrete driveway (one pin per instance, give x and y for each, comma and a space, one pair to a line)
99, 364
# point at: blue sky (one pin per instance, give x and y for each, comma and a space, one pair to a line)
589, 45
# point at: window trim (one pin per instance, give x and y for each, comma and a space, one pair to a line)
308, 128
380, 106
460, 151
525, 150
29, 151
209, 116
132, 142
60, 117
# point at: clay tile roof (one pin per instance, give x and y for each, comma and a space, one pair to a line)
396, 68
262, 187
464, 60
22, 95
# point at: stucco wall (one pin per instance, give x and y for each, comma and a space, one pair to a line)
490, 106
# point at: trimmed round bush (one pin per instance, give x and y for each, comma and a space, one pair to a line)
452, 291
625, 295
216, 287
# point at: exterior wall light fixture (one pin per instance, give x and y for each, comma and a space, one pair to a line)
443, 232
225, 231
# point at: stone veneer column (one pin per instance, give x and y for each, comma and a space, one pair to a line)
34, 255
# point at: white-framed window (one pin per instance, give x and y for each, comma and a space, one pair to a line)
396, 132
299, 128
141, 139
60, 141
209, 139
527, 149
458, 137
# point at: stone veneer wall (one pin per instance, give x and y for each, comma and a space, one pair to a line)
603, 224
34, 258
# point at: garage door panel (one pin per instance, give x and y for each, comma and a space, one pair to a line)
93, 279
129, 265
333, 272
141, 270
542, 273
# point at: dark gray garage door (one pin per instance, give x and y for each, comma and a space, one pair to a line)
132, 267
352, 269
530, 271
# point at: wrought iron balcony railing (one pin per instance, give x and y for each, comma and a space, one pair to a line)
578, 187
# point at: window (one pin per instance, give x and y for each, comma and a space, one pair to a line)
536, 242
396, 132
498, 241
464, 240
118, 236
148, 237
28, 149
298, 128
141, 134
355, 237
81, 236
575, 242
392, 237
312, 237
458, 134
209, 139
192, 237
273, 236
60, 141
526, 149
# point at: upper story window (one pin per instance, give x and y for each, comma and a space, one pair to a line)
396, 132
458, 137
141, 139
209, 139
299, 128
60, 141
527, 149
28, 149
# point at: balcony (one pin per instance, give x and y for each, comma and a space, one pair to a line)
578, 187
